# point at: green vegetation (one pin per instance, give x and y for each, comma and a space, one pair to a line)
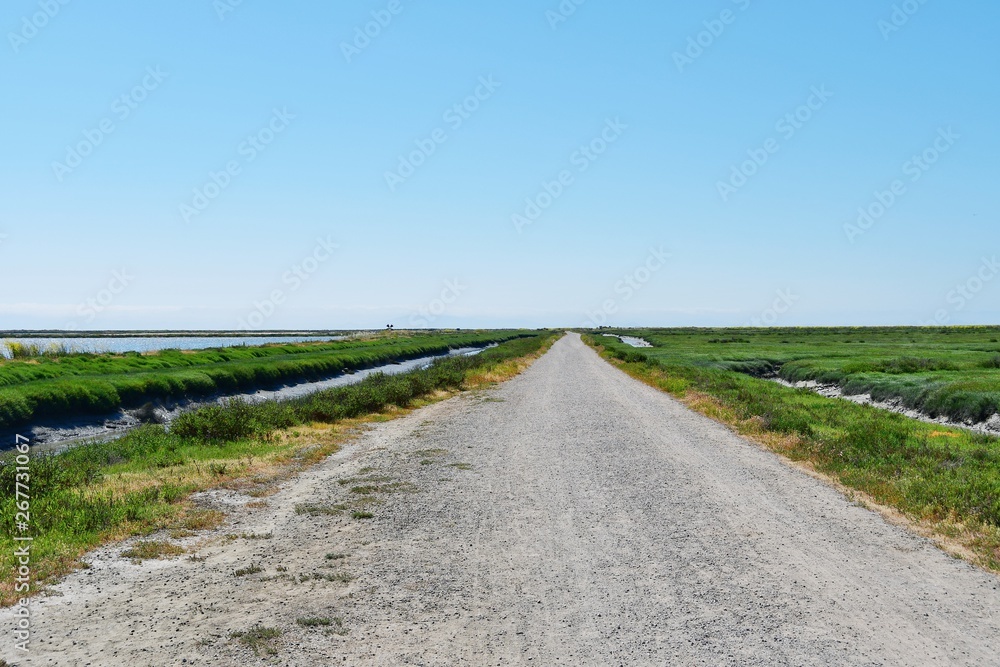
152, 550
263, 641
337, 624
337, 577
953, 372
35, 385
139, 483
20, 350
948, 478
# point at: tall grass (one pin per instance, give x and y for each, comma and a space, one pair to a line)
13, 349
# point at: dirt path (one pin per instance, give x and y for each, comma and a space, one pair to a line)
571, 516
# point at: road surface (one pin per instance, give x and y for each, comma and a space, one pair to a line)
571, 516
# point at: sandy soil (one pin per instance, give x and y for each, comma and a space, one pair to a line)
572, 516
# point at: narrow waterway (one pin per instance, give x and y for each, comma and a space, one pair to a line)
55, 435
631, 340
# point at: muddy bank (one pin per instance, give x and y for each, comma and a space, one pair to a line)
55, 435
990, 426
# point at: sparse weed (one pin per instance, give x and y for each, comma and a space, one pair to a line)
262, 640
152, 550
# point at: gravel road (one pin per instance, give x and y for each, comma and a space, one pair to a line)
571, 516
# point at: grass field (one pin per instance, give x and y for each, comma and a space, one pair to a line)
140, 483
953, 372
67, 385
947, 479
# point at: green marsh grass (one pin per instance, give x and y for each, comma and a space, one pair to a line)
70, 385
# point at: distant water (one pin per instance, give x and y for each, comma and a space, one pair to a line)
630, 340
152, 343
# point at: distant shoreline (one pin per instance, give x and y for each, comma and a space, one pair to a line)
172, 333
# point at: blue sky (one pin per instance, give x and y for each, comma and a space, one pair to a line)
223, 165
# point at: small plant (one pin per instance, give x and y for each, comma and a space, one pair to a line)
152, 550
257, 536
339, 577
200, 520
340, 629
248, 536
314, 621
361, 514
336, 556
245, 571
263, 641
313, 510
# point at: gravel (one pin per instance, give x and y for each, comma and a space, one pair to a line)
571, 516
